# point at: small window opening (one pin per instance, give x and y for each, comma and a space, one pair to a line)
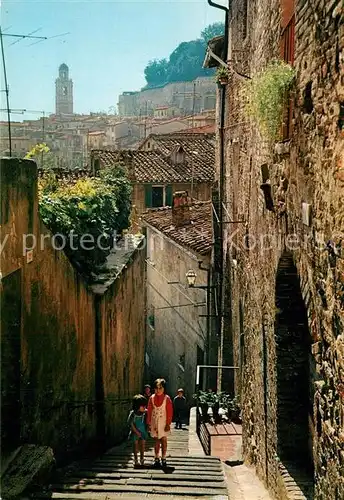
307, 99
244, 20
265, 172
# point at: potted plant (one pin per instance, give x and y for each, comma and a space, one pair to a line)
222, 75
214, 403
226, 403
202, 399
216, 409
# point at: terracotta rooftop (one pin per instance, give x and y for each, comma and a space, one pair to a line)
199, 148
197, 236
157, 166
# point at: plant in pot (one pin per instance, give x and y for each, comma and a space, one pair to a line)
216, 407
222, 75
226, 403
202, 399
214, 403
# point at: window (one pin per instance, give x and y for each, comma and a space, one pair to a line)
288, 54
244, 19
158, 196
64, 91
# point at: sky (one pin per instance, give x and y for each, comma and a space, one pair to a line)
108, 45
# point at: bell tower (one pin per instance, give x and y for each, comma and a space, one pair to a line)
64, 92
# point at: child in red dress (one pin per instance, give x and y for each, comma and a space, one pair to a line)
159, 419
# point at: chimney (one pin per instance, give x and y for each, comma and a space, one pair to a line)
181, 209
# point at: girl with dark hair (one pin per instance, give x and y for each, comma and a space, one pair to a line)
159, 419
138, 427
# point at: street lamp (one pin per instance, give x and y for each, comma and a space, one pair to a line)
191, 278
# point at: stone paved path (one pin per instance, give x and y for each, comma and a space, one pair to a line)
243, 484
113, 476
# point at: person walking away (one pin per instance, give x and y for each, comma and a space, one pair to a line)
159, 419
138, 427
179, 406
147, 392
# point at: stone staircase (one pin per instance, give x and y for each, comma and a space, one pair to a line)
113, 476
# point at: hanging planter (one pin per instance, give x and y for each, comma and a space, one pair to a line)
222, 76
267, 94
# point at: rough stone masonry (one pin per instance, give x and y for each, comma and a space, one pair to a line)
286, 293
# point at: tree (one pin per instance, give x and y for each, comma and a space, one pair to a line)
185, 63
155, 72
215, 29
43, 156
36, 150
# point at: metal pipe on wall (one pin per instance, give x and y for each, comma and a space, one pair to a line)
221, 193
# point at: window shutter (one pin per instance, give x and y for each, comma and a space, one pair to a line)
168, 200
148, 196
287, 12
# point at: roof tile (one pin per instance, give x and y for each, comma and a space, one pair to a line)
197, 236
156, 166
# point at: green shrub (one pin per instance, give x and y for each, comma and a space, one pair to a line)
267, 94
99, 207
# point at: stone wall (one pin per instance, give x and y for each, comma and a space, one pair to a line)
177, 332
55, 374
306, 173
122, 327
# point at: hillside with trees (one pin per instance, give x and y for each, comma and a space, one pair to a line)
185, 62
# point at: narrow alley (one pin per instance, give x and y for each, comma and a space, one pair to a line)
176, 263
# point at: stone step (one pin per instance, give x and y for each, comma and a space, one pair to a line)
212, 462
75, 482
113, 476
186, 468
166, 489
181, 475
123, 496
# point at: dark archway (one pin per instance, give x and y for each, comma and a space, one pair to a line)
294, 385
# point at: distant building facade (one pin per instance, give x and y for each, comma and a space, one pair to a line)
183, 97
64, 92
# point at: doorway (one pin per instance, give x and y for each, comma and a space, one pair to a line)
294, 384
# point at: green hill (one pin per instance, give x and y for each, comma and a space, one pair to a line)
184, 63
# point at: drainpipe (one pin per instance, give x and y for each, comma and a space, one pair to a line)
221, 194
